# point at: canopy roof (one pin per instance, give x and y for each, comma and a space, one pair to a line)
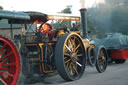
13, 15
30, 17
63, 17
45, 17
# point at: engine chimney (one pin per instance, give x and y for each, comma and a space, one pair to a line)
83, 12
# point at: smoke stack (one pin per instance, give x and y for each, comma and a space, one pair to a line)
84, 21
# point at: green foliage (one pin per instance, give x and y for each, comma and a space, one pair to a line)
63, 24
67, 10
1, 8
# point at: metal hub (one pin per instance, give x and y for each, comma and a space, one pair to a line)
74, 57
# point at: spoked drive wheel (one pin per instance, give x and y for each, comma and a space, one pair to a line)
9, 62
102, 60
70, 56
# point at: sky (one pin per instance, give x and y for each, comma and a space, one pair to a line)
45, 6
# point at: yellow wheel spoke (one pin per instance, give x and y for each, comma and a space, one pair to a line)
66, 54
79, 55
68, 48
67, 60
65, 57
74, 43
68, 45
77, 47
71, 45
78, 64
102, 62
70, 68
75, 68
76, 51
67, 66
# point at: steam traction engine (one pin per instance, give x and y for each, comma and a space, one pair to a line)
45, 50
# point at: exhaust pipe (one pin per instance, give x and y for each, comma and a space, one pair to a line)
83, 12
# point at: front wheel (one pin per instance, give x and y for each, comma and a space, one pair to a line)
70, 56
102, 60
92, 55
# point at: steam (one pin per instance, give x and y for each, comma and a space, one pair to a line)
100, 1
101, 18
108, 16
82, 3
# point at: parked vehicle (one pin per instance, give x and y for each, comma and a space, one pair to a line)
116, 45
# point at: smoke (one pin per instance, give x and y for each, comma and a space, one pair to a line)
109, 16
82, 3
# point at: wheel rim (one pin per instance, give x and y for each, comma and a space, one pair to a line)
102, 60
73, 56
9, 62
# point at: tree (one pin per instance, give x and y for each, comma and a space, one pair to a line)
64, 24
1, 8
67, 10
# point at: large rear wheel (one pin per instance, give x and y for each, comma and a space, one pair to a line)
10, 65
70, 56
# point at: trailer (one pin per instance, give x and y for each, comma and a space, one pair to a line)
116, 45
50, 47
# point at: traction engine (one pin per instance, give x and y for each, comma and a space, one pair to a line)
46, 50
